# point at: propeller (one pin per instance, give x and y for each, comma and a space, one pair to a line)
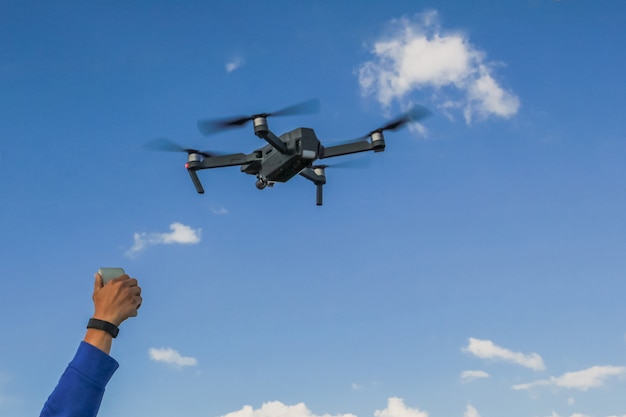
360, 163
208, 126
166, 145
416, 114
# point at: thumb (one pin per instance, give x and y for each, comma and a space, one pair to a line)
98, 282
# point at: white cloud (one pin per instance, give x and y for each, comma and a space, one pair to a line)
416, 55
468, 376
180, 234
234, 64
486, 349
396, 408
470, 412
219, 211
555, 414
580, 380
278, 409
171, 357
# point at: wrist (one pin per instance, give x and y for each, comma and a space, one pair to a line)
100, 339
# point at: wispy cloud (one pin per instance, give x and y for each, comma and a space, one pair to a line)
397, 408
221, 211
171, 357
276, 408
234, 64
486, 349
417, 55
180, 234
470, 412
469, 376
580, 380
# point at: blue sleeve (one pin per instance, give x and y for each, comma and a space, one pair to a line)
81, 387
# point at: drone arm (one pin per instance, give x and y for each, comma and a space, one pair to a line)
262, 131
346, 149
273, 140
223, 161
215, 162
195, 163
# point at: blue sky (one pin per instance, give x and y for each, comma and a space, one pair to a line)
474, 268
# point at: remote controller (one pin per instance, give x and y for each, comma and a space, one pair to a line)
109, 273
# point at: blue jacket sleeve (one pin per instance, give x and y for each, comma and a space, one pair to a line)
81, 387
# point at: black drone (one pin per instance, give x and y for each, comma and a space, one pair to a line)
284, 156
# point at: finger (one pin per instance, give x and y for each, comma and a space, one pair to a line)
98, 282
121, 278
127, 281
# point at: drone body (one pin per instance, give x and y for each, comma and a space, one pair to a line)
286, 156
302, 147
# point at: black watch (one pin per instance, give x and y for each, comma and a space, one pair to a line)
110, 328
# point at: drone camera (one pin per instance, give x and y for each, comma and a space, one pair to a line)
261, 184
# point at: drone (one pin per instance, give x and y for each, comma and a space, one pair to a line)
296, 152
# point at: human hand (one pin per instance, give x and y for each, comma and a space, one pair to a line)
116, 301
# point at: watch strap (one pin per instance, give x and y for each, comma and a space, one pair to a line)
110, 328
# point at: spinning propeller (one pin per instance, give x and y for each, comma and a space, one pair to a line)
167, 145
416, 114
360, 163
209, 126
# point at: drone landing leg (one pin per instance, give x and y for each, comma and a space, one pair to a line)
319, 194
196, 181
316, 176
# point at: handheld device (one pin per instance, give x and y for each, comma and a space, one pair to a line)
109, 273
